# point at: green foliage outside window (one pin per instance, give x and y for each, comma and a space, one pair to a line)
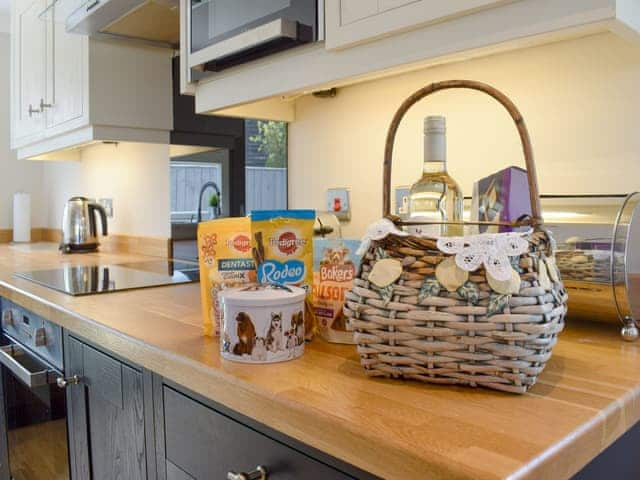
272, 141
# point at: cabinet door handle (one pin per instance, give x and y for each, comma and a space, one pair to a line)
64, 382
45, 105
260, 473
33, 110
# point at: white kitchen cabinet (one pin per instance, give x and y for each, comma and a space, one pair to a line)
28, 63
66, 66
369, 39
349, 22
80, 89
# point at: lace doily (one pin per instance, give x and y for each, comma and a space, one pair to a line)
489, 249
377, 231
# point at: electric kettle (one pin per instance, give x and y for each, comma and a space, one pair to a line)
79, 231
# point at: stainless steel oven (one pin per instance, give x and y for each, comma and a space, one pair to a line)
225, 33
33, 417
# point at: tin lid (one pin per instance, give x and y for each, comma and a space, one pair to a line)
262, 295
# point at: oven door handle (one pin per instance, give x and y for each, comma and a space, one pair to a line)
8, 354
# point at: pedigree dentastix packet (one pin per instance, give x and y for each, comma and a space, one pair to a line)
224, 253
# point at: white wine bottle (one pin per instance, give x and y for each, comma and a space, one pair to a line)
435, 197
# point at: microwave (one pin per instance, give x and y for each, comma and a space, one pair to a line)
226, 33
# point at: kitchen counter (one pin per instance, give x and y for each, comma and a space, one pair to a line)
587, 397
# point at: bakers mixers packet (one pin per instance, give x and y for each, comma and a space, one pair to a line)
335, 266
224, 253
283, 251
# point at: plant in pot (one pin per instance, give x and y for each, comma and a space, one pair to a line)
214, 206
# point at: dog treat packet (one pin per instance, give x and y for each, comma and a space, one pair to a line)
224, 254
283, 251
335, 266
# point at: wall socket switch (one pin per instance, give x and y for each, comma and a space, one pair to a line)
107, 203
402, 202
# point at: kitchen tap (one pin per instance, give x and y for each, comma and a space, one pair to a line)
217, 209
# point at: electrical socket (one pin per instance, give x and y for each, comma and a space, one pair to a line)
107, 203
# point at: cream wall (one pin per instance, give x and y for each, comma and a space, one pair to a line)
135, 175
14, 175
580, 99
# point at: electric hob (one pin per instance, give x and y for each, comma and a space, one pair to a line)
92, 279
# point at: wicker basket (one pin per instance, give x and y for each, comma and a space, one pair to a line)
447, 338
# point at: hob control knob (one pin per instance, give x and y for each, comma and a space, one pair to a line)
40, 337
7, 317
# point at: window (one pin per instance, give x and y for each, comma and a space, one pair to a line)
266, 165
188, 174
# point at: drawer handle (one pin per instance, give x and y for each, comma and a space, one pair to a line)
9, 355
260, 473
63, 382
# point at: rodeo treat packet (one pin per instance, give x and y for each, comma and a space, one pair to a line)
224, 252
283, 251
335, 266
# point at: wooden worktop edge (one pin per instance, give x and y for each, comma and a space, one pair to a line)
597, 434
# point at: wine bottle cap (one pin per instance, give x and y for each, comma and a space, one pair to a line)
435, 124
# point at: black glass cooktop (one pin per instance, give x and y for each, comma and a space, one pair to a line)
92, 279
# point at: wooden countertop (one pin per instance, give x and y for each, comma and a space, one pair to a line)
586, 398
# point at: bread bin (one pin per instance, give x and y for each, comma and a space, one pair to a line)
598, 255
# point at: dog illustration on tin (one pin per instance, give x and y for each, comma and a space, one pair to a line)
275, 336
259, 353
297, 325
226, 342
246, 335
292, 340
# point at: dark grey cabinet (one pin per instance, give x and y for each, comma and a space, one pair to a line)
107, 428
126, 423
202, 444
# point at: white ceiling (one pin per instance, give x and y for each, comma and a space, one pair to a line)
4, 6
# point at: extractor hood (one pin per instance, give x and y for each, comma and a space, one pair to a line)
155, 21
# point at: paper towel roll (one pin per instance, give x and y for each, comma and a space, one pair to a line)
21, 217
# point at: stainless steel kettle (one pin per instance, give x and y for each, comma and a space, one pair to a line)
79, 231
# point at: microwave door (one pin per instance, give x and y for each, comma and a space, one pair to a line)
225, 33
260, 41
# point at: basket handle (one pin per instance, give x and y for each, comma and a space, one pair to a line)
536, 218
